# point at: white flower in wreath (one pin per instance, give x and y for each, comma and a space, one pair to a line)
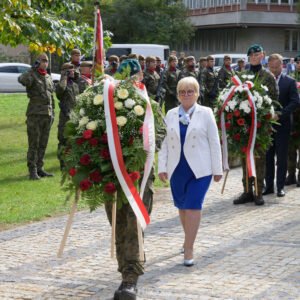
239, 89
216, 110
138, 110
129, 103
98, 100
232, 104
83, 121
118, 105
227, 108
122, 94
82, 112
267, 99
121, 121
272, 111
259, 102
244, 76
265, 87
74, 117
244, 105
251, 77
92, 125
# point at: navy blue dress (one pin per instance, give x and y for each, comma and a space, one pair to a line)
188, 192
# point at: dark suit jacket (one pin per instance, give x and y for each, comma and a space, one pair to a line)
289, 99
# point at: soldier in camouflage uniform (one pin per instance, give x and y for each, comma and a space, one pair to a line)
129, 263
255, 53
202, 67
66, 92
170, 79
85, 78
40, 115
151, 78
181, 61
113, 61
241, 64
142, 62
210, 83
225, 73
294, 144
189, 68
75, 60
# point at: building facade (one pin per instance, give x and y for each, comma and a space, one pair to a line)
231, 26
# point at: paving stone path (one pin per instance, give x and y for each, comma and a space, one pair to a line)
242, 252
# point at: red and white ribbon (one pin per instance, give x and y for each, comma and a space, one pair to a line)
115, 151
252, 135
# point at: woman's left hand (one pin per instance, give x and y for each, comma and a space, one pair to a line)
217, 178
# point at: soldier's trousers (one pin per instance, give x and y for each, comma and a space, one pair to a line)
170, 102
127, 247
209, 102
63, 119
38, 129
294, 160
260, 164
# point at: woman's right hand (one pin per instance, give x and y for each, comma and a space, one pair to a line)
163, 176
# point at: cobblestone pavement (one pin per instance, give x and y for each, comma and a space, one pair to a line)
242, 252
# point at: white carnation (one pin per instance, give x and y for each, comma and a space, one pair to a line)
267, 99
98, 100
122, 94
139, 111
82, 112
244, 76
92, 125
83, 121
129, 103
232, 104
118, 105
244, 105
251, 77
264, 87
121, 121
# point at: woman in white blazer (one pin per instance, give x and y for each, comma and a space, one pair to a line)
190, 156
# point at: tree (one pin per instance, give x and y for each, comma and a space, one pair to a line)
43, 25
144, 21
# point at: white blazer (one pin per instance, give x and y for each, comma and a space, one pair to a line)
201, 148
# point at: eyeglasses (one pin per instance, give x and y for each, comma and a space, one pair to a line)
186, 93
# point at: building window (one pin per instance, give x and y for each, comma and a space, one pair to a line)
292, 40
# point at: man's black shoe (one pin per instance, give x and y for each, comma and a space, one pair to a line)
280, 193
290, 180
258, 200
118, 292
43, 173
244, 198
268, 190
128, 291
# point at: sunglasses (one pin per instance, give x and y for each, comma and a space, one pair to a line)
186, 93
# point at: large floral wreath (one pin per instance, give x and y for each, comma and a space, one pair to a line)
238, 115
87, 157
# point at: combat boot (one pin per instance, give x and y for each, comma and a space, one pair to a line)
33, 175
291, 179
43, 173
258, 200
244, 198
118, 292
128, 291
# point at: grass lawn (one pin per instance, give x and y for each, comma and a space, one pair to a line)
23, 200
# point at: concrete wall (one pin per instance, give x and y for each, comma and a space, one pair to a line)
17, 54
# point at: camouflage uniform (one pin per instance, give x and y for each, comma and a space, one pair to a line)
84, 79
127, 246
224, 76
66, 92
40, 115
210, 86
294, 145
170, 80
151, 81
267, 79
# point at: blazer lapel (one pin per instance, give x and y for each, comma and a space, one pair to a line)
195, 118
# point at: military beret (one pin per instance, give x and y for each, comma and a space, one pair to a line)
189, 58
201, 59
133, 64
150, 58
172, 58
43, 56
113, 58
240, 60
254, 49
158, 58
209, 57
67, 66
75, 51
297, 58
86, 63
227, 57
141, 57
133, 56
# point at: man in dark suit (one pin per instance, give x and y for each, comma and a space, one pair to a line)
289, 100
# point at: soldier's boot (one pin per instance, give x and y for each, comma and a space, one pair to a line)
118, 292
128, 291
291, 179
244, 198
259, 200
43, 173
33, 175
298, 179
